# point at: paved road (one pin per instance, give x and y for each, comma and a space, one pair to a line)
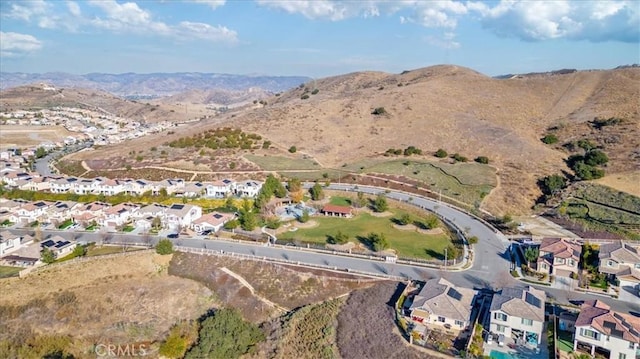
42, 164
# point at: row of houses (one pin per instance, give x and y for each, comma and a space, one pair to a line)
15, 178
517, 316
561, 257
25, 251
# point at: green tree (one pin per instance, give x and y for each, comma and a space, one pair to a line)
41, 152
273, 223
304, 218
440, 153
294, 185
595, 158
431, 221
316, 192
405, 219
229, 204
380, 204
552, 184
47, 256
549, 139
156, 223
482, 159
248, 220
227, 335
79, 251
164, 247
232, 224
339, 238
531, 254
359, 201
293, 149
378, 241
453, 252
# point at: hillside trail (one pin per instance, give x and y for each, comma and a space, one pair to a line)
575, 96
252, 290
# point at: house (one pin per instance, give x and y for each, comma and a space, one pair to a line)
62, 184
621, 261
518, 314
247, 188
30, 212
182, 215
152, 210
211, 222
137, 187
559, 257
84, 186
118, 215
170, 185
191, 190
108, 187
337, 211
599, 329
441, 304
59, 246
61, 210
220, 189
9, 242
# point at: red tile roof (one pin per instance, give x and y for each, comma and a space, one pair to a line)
332, 208
599, 316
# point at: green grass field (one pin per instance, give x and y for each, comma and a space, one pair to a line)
466, 182
6, 271
565, 341
278, 163
408, 244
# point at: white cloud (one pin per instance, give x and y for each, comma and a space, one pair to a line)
14, 44
325, 9
213, 4
575, 20
26, 10
446, 41
74, 8
202, 31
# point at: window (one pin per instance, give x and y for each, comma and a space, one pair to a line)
637, 265
528, 322
631, 345
441, 319
571, 262
622, 356
501, 316
459, 323
610, 263
589, 334
500, 328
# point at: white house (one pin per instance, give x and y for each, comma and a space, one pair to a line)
211, 221
519, 314
191, 190
9, 242
220, 188
612, 334
109, 187
248, 188
182, 215
59, 246
30, 212
118, 215
62, 184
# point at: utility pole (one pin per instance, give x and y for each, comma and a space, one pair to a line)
445, 257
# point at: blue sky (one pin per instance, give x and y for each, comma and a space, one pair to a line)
315, 38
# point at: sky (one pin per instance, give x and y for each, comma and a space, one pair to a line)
315, 38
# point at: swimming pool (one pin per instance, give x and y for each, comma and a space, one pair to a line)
500, 355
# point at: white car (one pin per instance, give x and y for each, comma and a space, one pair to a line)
501, 340
489, 338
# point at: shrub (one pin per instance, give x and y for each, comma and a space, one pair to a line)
440, 153
472, 240
549, 139
379, 111
552, 184
380, 204
405, 219
293, 149
266, 145
459, 158
304, 97
164, 247
482, 159
315, 92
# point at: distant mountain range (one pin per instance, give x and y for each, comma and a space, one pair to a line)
154, 85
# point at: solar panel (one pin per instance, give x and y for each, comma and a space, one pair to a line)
610, 325
454, 294
48, 243
177, 206
217, 216
533, 300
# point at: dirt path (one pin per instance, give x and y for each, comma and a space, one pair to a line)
253, 292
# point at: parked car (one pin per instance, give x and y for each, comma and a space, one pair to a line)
489, 338
173, 235
501, 340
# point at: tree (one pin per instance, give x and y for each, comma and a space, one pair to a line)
482, 159
156, 223
273, 223
293, 149
595, 158
549, 139
531, 254
164, 247
40, 152
229, 204
47, 256
380, 204
453, 252
248, 220
304, 218
339, 238
225, 334
79, 251
360, 201
316, 192
431, 221
232, 224
440, 153
294, 185
552, 184
405, 219
179, 339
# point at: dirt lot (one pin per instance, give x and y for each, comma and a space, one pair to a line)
625, 182
104, 300
25, 136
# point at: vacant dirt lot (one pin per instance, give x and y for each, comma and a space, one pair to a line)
624, 182
25, 136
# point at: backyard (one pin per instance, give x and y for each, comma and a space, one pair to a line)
6, 271
407, 243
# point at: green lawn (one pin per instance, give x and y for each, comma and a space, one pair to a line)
6, 271
340, 201
408, 244
565, 341
128, 228
467, 182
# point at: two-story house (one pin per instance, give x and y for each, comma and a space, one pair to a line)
118, 215
248, 188
612, 334
108, 187
559, 257
440, 304
220, 188
182, 215
9, 242
211, 222
621, 261
191, 190
31, 212
518, 314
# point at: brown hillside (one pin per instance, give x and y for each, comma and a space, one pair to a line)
35, 97
447, 107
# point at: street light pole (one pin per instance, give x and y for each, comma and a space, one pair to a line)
445, 257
